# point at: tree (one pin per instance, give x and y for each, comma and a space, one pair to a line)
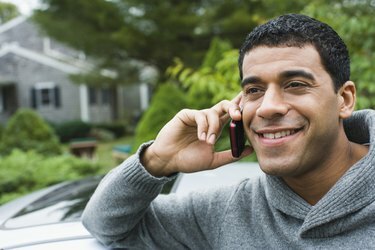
217, 79
8, 11
354, 22
166, 102
153, 32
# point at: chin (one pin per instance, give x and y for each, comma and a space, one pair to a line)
277, 169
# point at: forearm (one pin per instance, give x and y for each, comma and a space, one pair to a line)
120, 200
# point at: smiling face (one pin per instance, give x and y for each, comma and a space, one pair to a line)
291, 112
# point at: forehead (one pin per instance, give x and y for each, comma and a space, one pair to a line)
272, 59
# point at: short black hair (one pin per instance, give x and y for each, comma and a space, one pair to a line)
296, 30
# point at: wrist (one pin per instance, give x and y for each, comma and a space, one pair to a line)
152, 163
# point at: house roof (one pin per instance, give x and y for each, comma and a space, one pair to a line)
40, 58
12, 23
54, 60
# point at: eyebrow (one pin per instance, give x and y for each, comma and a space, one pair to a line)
297, 73
284, 74
250, 79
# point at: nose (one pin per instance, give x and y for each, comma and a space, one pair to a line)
273, 104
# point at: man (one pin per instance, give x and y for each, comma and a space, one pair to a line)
318, 190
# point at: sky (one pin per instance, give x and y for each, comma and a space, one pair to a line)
24, 6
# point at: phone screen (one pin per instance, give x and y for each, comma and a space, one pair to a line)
237, 138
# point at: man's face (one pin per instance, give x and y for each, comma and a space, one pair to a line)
290, 109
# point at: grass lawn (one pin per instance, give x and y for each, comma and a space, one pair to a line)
104, 152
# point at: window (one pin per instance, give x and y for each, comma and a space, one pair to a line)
99, 96
1, 101
93, 99
45, 94
105, 96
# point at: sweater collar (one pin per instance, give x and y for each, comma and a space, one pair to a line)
353, 192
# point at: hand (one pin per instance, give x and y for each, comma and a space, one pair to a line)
186, 143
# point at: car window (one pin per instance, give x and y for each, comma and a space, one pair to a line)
65, 203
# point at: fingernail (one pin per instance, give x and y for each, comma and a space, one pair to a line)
238, 112
212, 139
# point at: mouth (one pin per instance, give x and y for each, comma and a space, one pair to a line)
278, 134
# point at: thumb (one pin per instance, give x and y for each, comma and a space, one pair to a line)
225, 157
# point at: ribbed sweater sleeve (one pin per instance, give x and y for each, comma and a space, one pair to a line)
120, 200
126, 210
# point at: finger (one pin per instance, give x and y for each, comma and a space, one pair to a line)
214, 126
226, 110
235, 110
237, 99
202, 125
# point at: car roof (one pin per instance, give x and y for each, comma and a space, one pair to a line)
58, 203
226, 175
79, 244
60, 234
42, 234
47, 216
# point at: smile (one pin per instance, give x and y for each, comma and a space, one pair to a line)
278, 134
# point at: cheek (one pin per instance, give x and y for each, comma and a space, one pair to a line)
248, 113
248, 117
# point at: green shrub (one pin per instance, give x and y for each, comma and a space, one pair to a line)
72, 129
101, 134
22, 172
117, 128
1, 131
166, 102
26, 130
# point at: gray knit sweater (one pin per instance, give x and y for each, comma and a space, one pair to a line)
258, 213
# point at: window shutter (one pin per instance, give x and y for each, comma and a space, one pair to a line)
57, 97
4, 99
33, 98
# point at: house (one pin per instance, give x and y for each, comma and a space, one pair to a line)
34, 73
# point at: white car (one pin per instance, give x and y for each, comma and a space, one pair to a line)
49, 219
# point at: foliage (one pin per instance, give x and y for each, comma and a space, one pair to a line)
1, 131
22, 172
8, 11
117, 128
354, 22
26, 130
216, 80
72, 129
102, 134
153, 32
166, 102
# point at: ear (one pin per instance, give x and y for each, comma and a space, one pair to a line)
346, 99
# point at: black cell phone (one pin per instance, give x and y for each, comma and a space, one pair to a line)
237, 137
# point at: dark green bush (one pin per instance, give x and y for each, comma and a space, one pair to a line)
26, 130
22, 172
117, 128
166, 102
72, 129
1, 131
101, 134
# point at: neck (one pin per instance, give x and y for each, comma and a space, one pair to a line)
314, 185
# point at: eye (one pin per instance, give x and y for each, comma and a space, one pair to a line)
295, 84
253, 90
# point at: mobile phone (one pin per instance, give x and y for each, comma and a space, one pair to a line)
237, 137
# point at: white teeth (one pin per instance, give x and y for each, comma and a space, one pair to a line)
278, 134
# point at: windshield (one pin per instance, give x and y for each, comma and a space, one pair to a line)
65, 203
